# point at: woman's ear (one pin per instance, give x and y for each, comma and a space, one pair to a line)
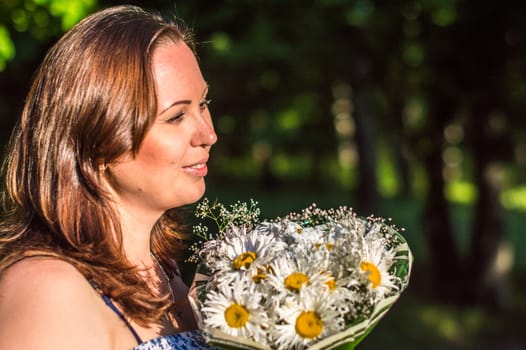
102, 168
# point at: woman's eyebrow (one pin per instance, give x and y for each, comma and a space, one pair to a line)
185, 102
182, 102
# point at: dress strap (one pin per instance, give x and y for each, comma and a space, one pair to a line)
115, 309
107, 300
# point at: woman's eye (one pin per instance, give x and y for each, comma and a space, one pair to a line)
204, 104
179, 116
175, 118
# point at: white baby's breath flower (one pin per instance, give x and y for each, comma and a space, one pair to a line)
345, 257
303, 235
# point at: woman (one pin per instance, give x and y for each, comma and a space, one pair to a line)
115, 132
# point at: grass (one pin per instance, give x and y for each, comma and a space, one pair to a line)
416, 321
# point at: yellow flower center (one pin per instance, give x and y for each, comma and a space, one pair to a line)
299, 230
244, 260
331, 284
236, 316
309, 325
329, 246
372, 273
295, 280
258, 277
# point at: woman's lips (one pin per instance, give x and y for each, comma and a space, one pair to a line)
199, 169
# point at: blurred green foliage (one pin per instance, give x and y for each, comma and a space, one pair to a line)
42, 19
7, 48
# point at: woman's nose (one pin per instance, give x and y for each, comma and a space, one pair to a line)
205, 134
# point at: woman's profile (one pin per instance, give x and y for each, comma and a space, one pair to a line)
115, 133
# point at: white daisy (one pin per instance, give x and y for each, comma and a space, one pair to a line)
289, 283
307, 319
292, 273
242, 252
376, 260
236, 310
345, 257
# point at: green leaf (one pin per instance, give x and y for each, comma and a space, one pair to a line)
7, 48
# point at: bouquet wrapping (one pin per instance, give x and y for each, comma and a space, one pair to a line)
317, 279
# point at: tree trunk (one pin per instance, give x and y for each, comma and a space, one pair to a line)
486, 282
443, 254
367, 192
444, 257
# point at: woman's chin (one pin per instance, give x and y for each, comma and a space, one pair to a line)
193, 197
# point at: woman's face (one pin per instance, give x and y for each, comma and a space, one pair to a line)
169, 168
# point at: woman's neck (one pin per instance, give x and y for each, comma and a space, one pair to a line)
136, 227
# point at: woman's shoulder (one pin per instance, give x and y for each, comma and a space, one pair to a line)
41, 277
52, 301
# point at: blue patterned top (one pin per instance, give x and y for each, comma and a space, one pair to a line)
191, 340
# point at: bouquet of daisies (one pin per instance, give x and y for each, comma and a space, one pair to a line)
317, 279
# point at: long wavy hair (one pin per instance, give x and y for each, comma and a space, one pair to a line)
92, 100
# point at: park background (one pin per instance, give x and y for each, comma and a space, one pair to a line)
408, 109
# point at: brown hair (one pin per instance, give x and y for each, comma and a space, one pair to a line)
92, 100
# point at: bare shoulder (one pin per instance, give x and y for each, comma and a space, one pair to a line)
47, 303
39, 267
41, 278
